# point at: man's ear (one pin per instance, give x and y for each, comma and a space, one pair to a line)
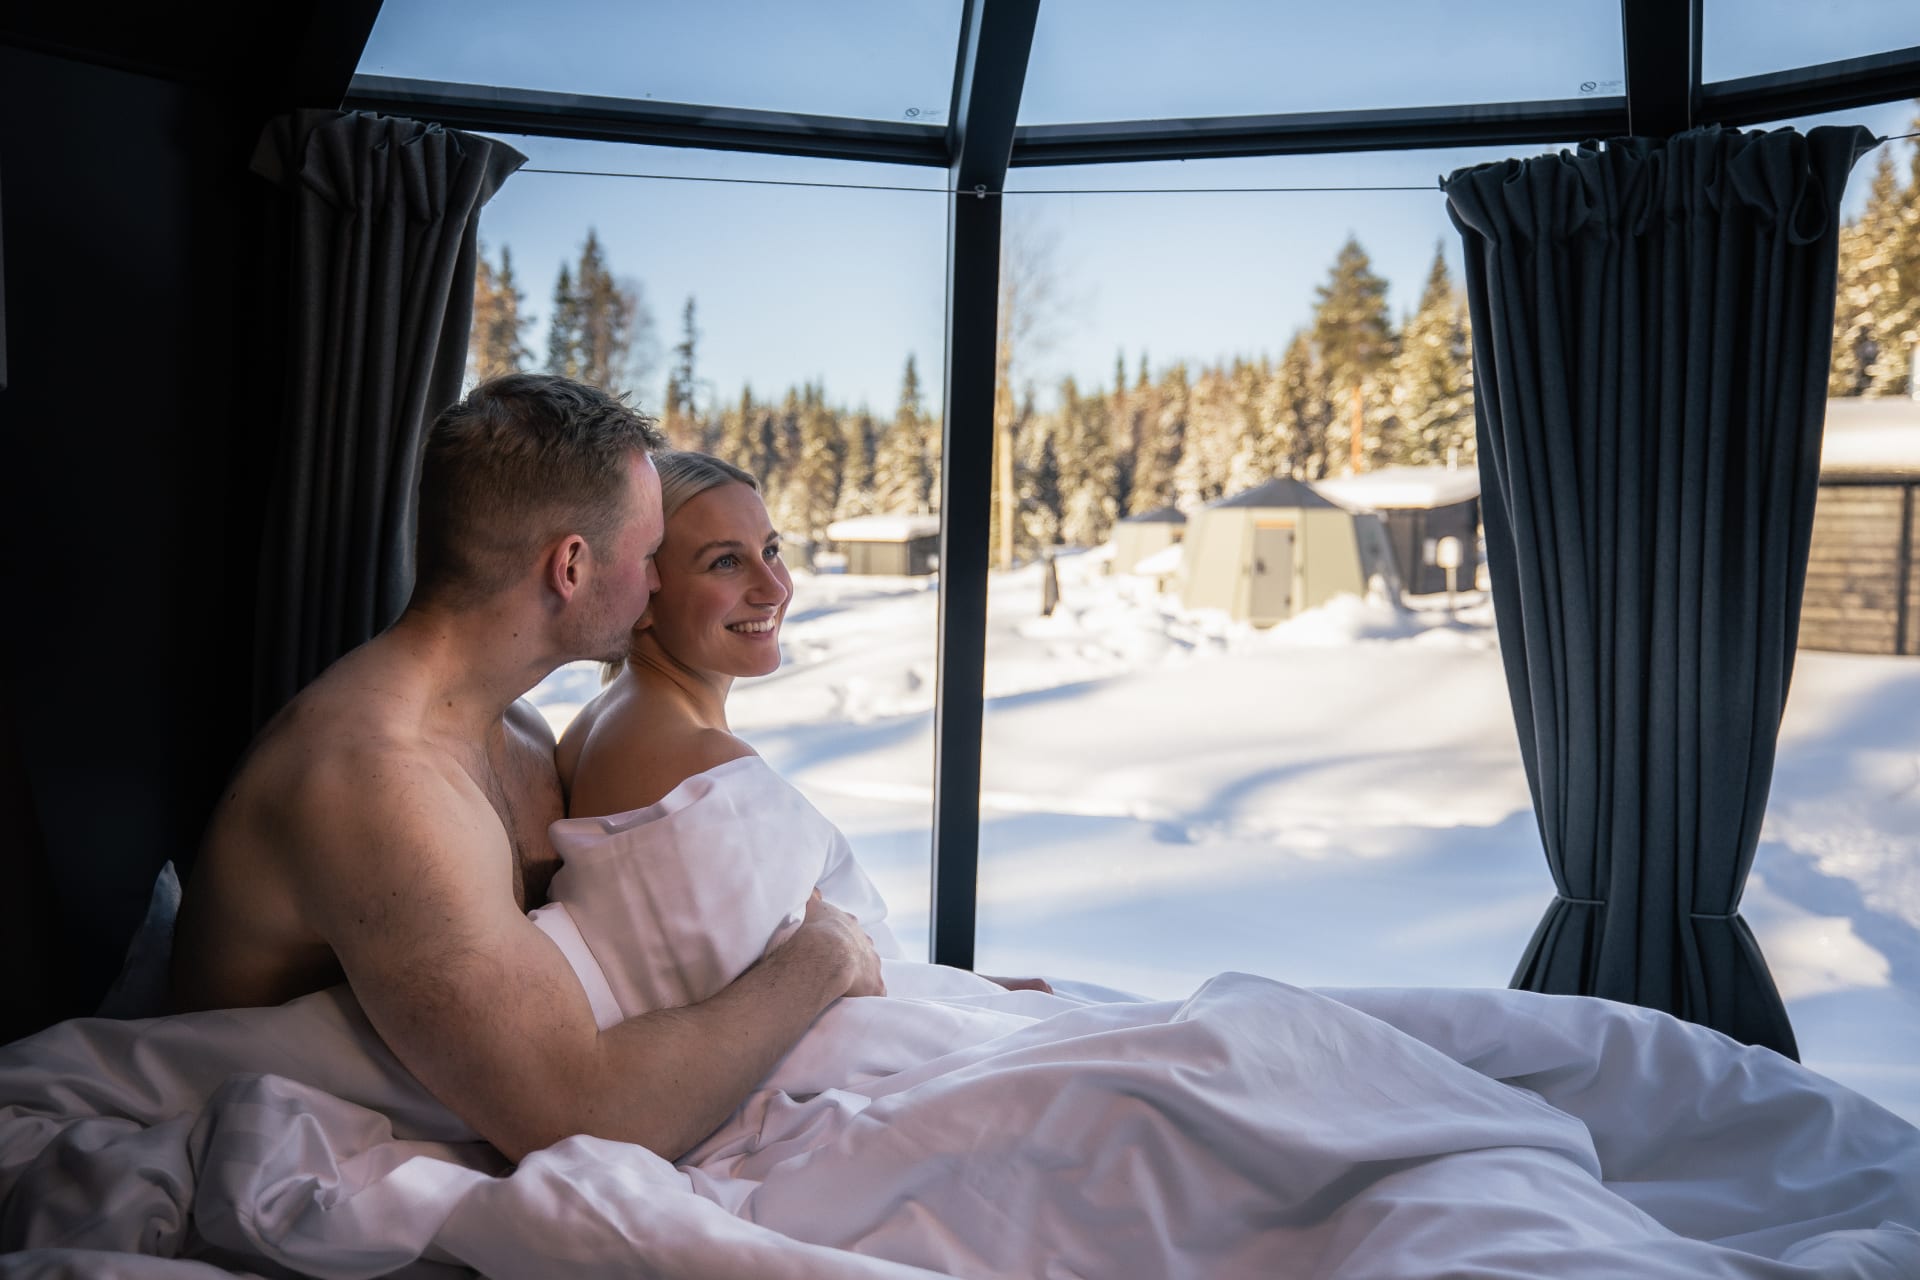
564, 570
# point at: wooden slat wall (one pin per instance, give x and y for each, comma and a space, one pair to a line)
1861, 572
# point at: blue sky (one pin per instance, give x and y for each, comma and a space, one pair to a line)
839, 286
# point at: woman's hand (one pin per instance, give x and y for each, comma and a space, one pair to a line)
1020, 984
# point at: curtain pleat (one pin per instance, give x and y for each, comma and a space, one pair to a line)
383, 217
1651, 335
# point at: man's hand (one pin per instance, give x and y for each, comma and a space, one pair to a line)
838, 936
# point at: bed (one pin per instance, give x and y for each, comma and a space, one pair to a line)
955, 1128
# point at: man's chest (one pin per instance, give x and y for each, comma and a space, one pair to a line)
521, 785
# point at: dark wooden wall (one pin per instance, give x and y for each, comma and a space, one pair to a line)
1863, 576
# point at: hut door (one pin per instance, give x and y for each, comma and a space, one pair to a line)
1272, 596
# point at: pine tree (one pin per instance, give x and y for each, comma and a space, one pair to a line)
1163, 430
1212, 437
1877, 309
1304, 410
1037, 479
495, 344
906, 466
1086, 465
1354, 335
1868, 285
1123, 437
817, 465
1259, 450
601, 331
683, 424
563, 327
861, 440
736, 435
1433, 376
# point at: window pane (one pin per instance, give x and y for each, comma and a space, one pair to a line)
1753, 37
1126, 60
862, 58
1180, 779
809, 303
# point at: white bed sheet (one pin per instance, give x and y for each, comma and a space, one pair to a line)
1254, 1129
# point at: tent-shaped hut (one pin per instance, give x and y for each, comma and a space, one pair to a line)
1138, 537
1266, 553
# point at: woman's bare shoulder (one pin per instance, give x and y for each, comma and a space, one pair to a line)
627, 759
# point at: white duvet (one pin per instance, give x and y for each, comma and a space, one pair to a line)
1253, 1129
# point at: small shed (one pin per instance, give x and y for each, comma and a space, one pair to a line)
1136, 538
1271, 551
901, 545
1863, 576
1420, 506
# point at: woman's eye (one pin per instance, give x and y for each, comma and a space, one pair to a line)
772, 553
724, 562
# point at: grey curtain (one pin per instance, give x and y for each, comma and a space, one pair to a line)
1651, 328
381, 219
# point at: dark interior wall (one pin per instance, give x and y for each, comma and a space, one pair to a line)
140, 390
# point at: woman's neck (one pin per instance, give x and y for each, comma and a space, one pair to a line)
700, 696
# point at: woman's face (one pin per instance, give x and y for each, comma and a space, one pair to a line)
723, 587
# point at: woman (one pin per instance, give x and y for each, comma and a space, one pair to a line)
700, 857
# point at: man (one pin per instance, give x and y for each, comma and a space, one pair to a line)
388, 827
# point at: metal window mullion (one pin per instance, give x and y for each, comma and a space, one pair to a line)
989, 73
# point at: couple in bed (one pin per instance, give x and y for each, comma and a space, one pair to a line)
389, 827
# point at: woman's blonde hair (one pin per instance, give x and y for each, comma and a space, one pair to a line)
685, 474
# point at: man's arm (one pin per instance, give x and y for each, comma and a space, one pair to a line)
413, 891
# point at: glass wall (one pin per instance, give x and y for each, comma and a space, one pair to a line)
1236, 718
1834, 897
1214, 741
797, 330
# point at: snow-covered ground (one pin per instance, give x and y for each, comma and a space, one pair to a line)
1336, 801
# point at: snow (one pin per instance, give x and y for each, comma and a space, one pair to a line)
1880, 435
1162, 563
1393, 487
1338, 800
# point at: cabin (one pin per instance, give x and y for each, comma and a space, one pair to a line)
1863, 578
897, 545
1421, 507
